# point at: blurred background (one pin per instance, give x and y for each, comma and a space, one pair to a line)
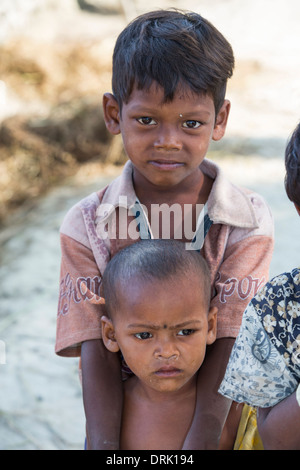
55, 64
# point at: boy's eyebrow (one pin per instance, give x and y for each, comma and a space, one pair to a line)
184, 324
139, 107
146, 109
142, 325
157, 327
200, 111
142, 108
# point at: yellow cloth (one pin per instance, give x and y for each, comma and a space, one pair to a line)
248, 437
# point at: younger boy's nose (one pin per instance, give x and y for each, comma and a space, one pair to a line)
163, 355
167, 351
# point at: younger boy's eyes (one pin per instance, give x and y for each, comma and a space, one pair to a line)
191, 124
146, 335
146, 121
185, 332
143, 335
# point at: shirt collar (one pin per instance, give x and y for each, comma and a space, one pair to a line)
227, 203
120, 192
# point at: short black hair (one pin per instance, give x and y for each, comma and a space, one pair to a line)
150, 260
172, 48
292, 167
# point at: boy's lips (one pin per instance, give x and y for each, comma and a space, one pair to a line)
168, 371
165, 164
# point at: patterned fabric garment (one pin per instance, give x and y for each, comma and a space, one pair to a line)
264, 366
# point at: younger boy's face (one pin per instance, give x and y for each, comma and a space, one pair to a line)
162, 329
167, 142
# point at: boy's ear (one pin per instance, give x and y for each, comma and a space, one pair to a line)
221, 121
212, 325
108, 334
111, 113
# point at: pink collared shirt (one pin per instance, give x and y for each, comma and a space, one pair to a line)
238, 249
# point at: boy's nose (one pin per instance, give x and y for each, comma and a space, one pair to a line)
167, 351
168, 139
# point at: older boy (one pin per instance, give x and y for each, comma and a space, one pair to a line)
170, 71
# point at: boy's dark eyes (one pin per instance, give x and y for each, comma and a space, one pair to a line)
191, 124
185, 332
147, 121
147, 335
143, 335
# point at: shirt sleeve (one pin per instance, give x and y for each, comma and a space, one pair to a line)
243, 271
80, 305
264, 366
239, 257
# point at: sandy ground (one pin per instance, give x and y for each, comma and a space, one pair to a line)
41, 404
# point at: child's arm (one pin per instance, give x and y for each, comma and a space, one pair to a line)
84, 258
211, 407
230, 431
102, 395
279, 426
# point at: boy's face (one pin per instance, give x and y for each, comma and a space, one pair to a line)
166, 142
162, 329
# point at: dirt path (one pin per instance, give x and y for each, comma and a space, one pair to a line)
41, 405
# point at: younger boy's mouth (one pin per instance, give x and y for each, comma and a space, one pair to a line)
168, 372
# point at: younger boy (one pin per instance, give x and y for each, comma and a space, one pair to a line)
157, 297
264, 368
170, 71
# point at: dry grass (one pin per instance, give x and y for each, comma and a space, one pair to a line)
38, 149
